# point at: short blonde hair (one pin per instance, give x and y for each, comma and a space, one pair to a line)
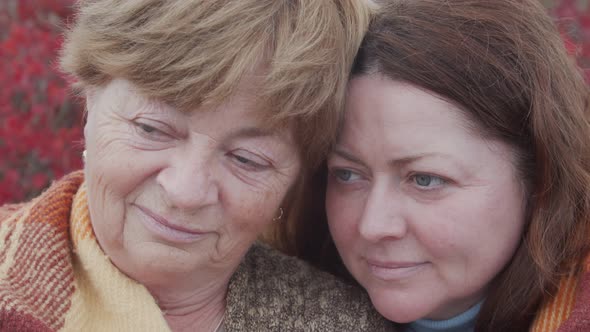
189, 52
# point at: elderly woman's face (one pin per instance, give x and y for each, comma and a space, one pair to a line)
424, 212
174, 193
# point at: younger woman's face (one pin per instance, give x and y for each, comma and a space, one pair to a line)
424, 211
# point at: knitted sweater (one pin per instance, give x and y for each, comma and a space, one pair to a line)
55, 277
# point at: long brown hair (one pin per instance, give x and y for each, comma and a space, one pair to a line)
504, 64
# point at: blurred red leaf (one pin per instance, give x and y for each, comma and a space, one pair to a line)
41, 127
39, 180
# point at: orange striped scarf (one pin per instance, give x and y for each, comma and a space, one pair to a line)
55, 277
34, 240
569, 310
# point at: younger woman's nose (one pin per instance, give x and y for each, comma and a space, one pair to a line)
382, 216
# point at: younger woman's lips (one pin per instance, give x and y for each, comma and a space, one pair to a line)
392, 271
163, 228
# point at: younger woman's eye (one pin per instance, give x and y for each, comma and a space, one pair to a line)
345, 175
428, 181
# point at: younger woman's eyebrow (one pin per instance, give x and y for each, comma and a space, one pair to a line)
403, 161
413, 158
345, 155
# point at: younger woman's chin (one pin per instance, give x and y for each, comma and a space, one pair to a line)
398, 311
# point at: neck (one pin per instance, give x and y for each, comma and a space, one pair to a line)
205, 319
192, 308
463, 322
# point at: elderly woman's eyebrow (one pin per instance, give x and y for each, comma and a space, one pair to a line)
250, 132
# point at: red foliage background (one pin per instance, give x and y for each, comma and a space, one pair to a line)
41, 122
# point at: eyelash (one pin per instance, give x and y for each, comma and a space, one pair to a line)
144, 126
151, 132
336, 172
247, 163
414, 178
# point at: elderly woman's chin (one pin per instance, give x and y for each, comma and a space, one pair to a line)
145, 256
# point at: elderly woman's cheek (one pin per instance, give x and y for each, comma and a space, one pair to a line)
260, 205
116, 176
107, 210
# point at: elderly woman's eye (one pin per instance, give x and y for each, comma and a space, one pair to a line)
151, 132
249, 160
147, 128
243, 160
144, 128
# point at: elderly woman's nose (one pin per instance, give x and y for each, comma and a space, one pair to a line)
382, 216
188, 182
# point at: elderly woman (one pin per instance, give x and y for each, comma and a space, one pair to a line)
201, 116
458, 192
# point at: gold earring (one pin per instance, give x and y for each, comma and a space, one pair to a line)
280, 215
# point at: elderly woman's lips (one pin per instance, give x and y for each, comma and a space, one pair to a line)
164, 229
392, 271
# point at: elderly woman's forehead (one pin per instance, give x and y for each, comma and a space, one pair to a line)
244, 102
249, 89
